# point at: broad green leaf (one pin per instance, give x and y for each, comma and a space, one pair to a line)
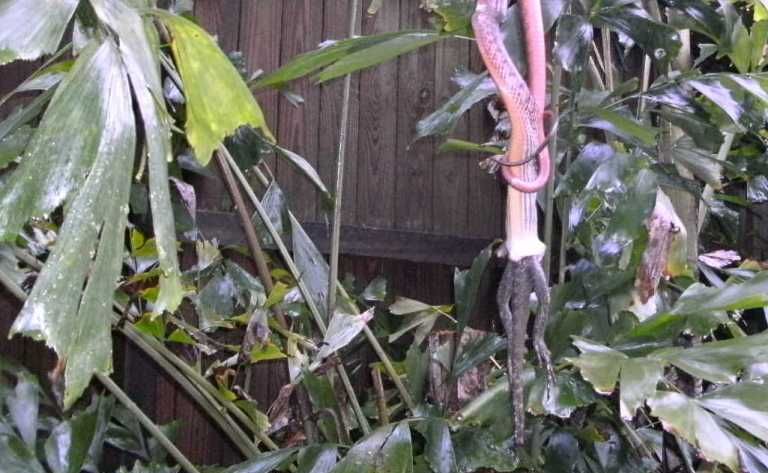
403, 306
13, 145
660, 41
749, 294
31, 28
466, 285
376, 290
474, 88
139, 50
87, 258
478, 449
23, 407
574, 35
569, 393
699, 16
328, 53
622, 126
263, 463
270, 351
303, 166
703, 165
721, 96
56, 160
685, 417
455, 15
386, 450
24, 115
718, 362
477, 350
342, 329
66, 449
317, 458
599, 364
416, 366
313, 269
218, 101
639, 377
15, 457
744, 404
378, 53
439, 448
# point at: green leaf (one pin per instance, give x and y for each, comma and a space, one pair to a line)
327, 54
474, 88
721, 96
70, 314
477, 350
267, 352
749, 294
744, 404
599, 364
303, 166
66, 450
15, 457
569, 393
403, 306
639, 377
317, 459
23, 406
379, 53
13, 145
455, 15
263, 463
702, 164
659, 40
477, 449
466, 285
386, 450
376, 290
622, 126
218, 101
31, 28
685, 417
574, 35
181, 336
342, 329
139, 50
439, 448
718, 362
152, 326
313, 269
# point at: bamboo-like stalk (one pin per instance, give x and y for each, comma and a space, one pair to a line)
362, 420
549, 211
145, 421
333, 274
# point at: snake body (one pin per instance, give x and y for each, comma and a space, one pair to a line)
524, 102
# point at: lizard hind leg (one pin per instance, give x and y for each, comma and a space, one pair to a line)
541, 288
513, 296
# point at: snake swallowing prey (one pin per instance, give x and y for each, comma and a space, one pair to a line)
524, 102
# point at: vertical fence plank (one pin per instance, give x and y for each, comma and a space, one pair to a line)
486, 193
221, 19
449, 196
297, 125
336, 26
378, 125
415, 99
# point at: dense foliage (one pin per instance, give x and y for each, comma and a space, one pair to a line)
657, 331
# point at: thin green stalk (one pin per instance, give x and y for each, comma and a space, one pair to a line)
333, 274
362, 420
382, 354
549, 213
153, 429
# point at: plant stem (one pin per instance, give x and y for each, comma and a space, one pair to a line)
299, 282
333, 274
153, 429
554, 104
